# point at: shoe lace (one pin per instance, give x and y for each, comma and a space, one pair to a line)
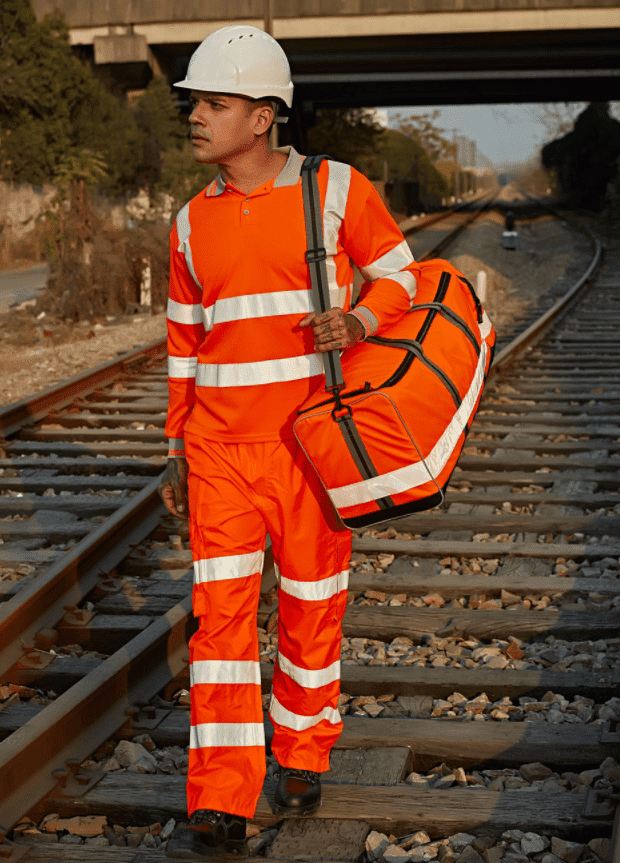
208, 816
305, 775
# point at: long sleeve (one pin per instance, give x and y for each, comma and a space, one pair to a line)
186, 332
372, 239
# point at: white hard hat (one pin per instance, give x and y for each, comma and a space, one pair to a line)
240, 59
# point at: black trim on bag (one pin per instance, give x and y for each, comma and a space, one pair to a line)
359, 453
451, 316
435, 308
416, 349
365, 389
475, 297
404, 367
395, 512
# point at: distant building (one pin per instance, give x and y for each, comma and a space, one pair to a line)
381, 117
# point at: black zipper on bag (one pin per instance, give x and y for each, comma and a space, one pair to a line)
475, 297
330, 401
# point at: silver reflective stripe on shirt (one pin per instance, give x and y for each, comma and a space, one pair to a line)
253, 374
184, 229
392, 262
182, 367
185, 313
336, 196
249, 306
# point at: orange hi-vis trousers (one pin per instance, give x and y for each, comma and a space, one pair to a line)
238, 492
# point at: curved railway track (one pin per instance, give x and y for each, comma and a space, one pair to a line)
523, 561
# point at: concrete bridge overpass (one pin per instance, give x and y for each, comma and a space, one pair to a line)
374, 52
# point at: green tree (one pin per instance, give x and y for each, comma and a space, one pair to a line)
157, 114
408, 160
422, 128
51, 104
347, 134
181, 176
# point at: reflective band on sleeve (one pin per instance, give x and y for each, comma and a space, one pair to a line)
314, 591
185, 313
412, 475
392, 262
255, 374
261, 306
184, 229
367, 318
224, 671
231, 566
336, 196
285, 717
209, 734
182, 367
308, 678
406, 280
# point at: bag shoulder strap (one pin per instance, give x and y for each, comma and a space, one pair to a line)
316, 257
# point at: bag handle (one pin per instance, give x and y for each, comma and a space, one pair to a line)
315, 258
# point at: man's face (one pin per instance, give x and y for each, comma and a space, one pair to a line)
222, 126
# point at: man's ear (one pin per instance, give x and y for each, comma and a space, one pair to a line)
263, 120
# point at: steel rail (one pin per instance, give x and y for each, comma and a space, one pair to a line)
41, 603
420, 224
96, 706
89, 711
614, 845
458, 230
538, 329
14, 416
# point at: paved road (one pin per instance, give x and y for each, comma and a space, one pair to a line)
16, 286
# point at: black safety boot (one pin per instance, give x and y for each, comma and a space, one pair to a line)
210, 835
298, 792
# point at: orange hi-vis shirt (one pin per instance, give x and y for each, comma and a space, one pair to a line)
239, 364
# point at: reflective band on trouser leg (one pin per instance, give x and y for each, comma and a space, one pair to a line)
227, 757
313, 556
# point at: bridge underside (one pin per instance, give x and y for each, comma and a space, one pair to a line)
424, 69
458, 68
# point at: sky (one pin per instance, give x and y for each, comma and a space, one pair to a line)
506, 134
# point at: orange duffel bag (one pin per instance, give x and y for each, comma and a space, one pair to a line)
386, 435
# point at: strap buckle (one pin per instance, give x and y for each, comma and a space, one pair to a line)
341, 417
315, 256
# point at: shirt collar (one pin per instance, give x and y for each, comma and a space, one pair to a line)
288, 176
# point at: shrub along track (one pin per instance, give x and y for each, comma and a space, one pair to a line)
552, 412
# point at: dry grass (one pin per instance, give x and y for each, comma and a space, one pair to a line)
109, 282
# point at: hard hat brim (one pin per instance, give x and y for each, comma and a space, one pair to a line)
285, 94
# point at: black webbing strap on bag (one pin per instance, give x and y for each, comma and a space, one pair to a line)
315, 258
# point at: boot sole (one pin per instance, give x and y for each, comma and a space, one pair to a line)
229, 853
292, 812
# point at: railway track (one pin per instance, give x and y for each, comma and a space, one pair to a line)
511, 592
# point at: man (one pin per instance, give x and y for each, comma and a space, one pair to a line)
244, 353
